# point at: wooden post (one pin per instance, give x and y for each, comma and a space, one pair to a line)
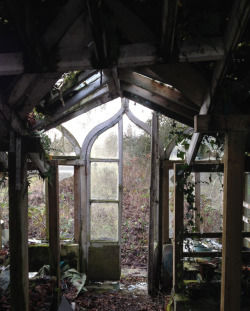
84, 224
165, 201
54, 237
197, 191
47, 207
155, 229
77, 202
232, 221
18, 224
178, 228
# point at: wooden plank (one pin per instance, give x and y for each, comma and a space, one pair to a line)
221, 123
77, 204
158, 100
130, 55
202, 254
18, 224
178, 228
189, 52
54, 235
232, 221
158, 88
164, 194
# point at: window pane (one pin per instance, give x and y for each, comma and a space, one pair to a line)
106, 145
104, 221
104, 181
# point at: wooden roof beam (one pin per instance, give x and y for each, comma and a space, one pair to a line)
154, 106
159, 100
80, 104
214, 50
98, 31
82, 109
158, 88
181, 76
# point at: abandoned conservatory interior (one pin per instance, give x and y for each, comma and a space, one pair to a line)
125, 150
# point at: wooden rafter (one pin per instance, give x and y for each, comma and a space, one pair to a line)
158, 100
194, 87
157, 88
98, 99
169, 14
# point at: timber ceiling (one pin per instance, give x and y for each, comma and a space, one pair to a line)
178, 57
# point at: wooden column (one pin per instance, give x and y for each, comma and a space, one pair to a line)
46, 184
84, 227
18, 224
165, 201
232, 221
77, 203
178, 229
155, 228
197, 191
54, 237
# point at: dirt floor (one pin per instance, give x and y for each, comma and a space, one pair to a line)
128, 294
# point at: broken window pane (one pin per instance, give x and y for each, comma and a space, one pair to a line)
104, 221
104, 181
106, 145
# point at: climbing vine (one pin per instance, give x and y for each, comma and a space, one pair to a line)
211, 147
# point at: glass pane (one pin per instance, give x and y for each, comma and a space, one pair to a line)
104, 181
104, 221
106, 145
83, 124
211, 201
